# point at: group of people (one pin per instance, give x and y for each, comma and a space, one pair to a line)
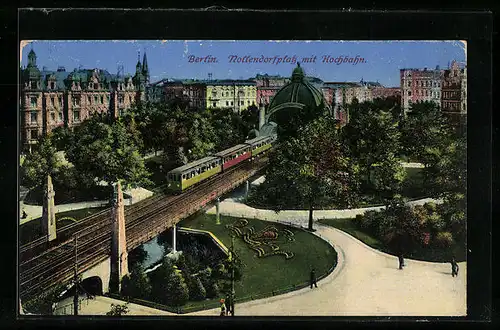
226, 307
453, 262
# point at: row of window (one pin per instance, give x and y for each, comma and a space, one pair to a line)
194, 172
241, 93
34, 116
425, 83
449, 95
236, 155
426, 93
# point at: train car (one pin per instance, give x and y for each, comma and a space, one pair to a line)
260, 144
234, 155
183, 177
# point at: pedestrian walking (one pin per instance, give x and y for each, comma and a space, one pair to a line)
227, 302
222, 308
313, 278
25, 215
454, 267
401, 261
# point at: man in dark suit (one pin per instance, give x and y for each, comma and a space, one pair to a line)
313, 278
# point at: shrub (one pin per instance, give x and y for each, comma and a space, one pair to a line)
196, 289
436, 222
421, 214
136, 285
213, 290
444, 239
177, 291
370, 219
430, 206
118, 310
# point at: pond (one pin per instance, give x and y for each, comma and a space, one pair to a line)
199, 246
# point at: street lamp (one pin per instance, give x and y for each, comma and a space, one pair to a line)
231, 260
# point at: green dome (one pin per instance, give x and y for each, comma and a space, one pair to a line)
299, 93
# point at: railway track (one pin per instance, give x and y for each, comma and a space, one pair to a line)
39, 271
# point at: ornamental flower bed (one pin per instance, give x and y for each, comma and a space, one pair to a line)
264, 242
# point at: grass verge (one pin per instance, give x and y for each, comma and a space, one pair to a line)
433, 254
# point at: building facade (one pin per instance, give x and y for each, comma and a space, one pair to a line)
50, 99
447, 88
454, 90
386, 92
268, 86
236, 94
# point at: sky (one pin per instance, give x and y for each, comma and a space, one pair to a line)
382, 60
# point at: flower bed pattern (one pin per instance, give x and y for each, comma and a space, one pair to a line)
264, 242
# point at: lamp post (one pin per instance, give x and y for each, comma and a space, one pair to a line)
75, 296
232, 274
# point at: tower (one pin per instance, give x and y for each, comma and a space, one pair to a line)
145, 69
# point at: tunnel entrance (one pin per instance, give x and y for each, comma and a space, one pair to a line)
92, 285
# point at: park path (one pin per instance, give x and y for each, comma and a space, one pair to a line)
233, 206
366, 282
100, 305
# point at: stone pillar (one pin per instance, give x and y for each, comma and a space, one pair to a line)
217, 211
49, 212
174, 239
119, 255
262, 115
247, 188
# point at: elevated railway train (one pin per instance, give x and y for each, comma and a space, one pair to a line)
186, 176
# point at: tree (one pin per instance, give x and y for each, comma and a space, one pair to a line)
311, 169
42, 161
202, 136
61, 137
106, 151
196, 289
118, 310
427, 125
229, 128
373, 139
250, 118
136, 284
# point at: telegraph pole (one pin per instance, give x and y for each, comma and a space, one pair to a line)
75, 297
232, 274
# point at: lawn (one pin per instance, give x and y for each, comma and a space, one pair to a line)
458, 249
262, 276
33, 229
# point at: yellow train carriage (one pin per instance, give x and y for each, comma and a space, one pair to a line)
260, 144
181, 178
